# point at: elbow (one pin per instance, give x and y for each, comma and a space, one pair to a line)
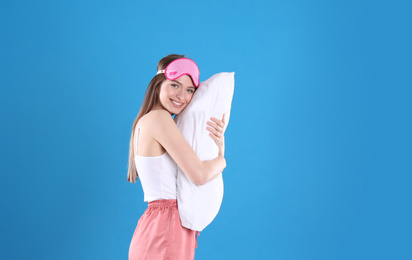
200, 182
199, 178
198, 175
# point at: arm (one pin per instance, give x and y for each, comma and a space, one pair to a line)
166, 132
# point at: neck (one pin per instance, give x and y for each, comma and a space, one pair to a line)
160, 107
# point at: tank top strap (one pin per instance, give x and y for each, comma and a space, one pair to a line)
137, 130
140, 120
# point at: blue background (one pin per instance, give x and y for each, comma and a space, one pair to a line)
318, 145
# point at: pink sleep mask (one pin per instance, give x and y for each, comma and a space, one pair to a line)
180, 67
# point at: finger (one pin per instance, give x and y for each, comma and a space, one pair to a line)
215, 126
214, 138
217, 121
216, 133
223, 119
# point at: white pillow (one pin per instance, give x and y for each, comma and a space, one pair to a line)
199, 205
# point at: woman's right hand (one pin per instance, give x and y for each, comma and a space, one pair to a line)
216, 129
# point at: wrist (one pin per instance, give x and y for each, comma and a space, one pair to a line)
224, 162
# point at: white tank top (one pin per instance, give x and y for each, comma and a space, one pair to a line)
157, 174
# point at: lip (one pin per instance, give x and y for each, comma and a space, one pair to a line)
175, 105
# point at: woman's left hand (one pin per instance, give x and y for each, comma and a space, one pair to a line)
216, 129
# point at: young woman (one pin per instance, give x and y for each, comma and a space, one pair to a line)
156, 146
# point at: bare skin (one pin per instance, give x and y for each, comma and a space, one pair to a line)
159, 133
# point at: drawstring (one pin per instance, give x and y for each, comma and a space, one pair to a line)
196, 234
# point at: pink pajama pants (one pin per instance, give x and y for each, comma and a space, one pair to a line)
160, 235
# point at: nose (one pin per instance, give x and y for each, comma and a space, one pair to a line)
179, 93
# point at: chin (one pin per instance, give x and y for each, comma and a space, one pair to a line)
177, 111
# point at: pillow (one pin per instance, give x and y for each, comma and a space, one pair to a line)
199, 205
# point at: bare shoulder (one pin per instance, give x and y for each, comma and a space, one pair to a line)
157, 120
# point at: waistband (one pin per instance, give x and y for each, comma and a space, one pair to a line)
162, 204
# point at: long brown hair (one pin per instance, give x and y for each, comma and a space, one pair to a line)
150, 100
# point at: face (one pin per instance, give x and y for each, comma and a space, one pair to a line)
176, 94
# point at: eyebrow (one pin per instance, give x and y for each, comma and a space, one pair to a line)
177, 82
182, 84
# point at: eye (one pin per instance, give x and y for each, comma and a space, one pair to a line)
175, 85
190, 90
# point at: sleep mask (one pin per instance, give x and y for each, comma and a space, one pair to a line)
180, 67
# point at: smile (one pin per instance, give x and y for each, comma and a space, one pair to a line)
177, 104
